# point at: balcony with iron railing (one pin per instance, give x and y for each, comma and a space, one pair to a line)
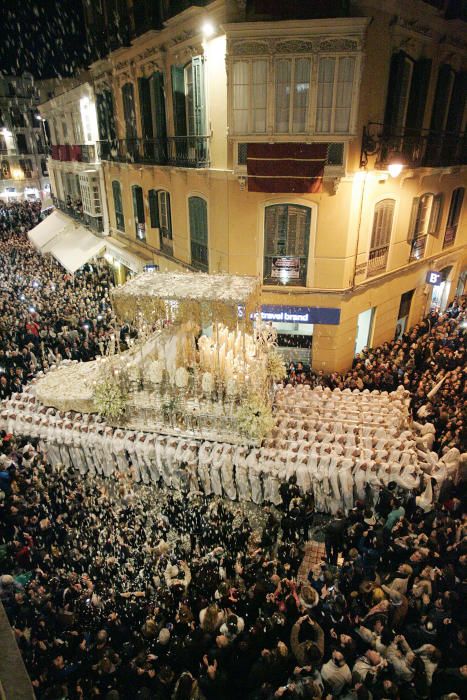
419, 147
94, 223
182, 151
377, 261
79, 153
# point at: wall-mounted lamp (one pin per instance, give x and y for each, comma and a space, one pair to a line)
377, 144
207, 29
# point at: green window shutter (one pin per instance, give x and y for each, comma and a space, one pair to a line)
101, 116
145, 107
110, 114
169, 217
394, 89
178, 98
457, 105
199, 96
418, 93
441, 97
153, 209
158, 102
138, 204
128, 98
118, 205
413, 219
435, 215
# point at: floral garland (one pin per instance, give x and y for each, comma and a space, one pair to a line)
275, 366
254, 418
109, 399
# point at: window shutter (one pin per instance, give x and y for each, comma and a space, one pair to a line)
169, 216
199, 96
158, 100
440, 104
418, 93
178, 98
435, 215
457, 106
145, 107
129, 110
394, 89
153, 209
413, 219
138, 204
110, 114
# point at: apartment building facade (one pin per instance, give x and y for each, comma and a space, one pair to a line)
240, 143
73, 162
23, 141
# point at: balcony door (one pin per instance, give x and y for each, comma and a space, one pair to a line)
153, 120
189, 108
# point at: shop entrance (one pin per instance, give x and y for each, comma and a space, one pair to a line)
460, 289
364, 329
440, 292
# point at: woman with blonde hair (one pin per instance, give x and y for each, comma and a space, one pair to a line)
211, 618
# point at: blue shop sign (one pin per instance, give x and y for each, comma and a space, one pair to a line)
150, 267
301, 314
433, 277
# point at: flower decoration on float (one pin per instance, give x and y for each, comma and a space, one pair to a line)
110, 399
254, 417
275, 366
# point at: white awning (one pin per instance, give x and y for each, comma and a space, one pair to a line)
48, 229
75, 247
121, 252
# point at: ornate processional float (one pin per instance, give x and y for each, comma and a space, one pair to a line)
198, 367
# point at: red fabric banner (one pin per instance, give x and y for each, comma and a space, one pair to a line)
286, 167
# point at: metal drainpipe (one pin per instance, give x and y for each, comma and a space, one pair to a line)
358, 231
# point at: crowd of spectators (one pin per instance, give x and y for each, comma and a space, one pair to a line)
46, 315
429, 360
115, 591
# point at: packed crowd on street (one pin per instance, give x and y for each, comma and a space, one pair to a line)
117, 589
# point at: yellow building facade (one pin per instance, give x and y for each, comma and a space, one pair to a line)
204, 123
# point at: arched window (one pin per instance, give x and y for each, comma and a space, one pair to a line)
118, 205
160, 216
455, 207
198, 219
138, 212
380, 236
286, 243
6, 173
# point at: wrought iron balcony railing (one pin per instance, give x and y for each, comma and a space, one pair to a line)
417, 248
420, 147
184, 151
92, 222
377, 261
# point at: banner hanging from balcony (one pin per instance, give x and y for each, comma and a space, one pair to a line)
286, 167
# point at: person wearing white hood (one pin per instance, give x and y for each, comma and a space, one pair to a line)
346, 483
336, 497
254, 476
241, 473
452, 459
76, 453
178, 472
204, 472
130, 447
407, 478
110, 459
150, 459
140, 457
161, 458
215, 466
53, 441
67, 440
359, 477
168, 461
425, 500
303, 473
119, 450
191, 458
227, 472
87, 449
97, 444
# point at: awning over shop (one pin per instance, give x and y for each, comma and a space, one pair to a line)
122, 253
75, 247
48, 229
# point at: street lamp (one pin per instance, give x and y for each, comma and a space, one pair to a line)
390, 158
